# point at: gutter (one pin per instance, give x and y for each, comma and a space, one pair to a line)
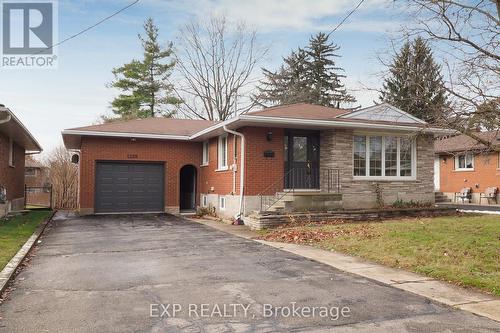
242, 171
126, 135
339, 124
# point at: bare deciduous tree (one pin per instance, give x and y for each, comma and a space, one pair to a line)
64, 179
467, 34
216, 62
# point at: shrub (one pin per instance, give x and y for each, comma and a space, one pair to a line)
410, 204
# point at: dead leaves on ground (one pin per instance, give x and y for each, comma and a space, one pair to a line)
310, 235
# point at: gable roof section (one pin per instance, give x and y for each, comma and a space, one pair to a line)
301, 111
384, 112
463, 142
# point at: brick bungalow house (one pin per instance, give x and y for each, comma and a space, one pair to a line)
323, 157
15, 142
463, 162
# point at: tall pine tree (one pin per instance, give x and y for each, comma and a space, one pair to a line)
145, 89
324, 75
289, 83
415, 84
308, 75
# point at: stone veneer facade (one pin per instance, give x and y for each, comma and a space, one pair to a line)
336, 151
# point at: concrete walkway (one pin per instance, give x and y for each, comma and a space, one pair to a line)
479, 303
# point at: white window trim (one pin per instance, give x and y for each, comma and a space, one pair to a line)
457, 168
413, 176
221, 167
205, 158
204, 200
222, 203
11, 153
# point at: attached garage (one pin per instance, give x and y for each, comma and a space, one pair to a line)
135, 166
122, 187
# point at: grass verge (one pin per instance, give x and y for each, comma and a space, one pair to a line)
15, 231
464, 250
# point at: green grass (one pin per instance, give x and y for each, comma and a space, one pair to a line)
14, 232
464, 250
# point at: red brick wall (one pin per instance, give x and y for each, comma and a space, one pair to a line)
486, 173
175, 154
221, 181
260, 171
12, 177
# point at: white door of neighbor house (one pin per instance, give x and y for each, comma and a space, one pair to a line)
436, 174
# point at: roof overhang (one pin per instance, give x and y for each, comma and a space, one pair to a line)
72, 138
266, 121
13, 128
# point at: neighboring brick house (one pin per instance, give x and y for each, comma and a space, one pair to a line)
38, 189
330, 157
36, 174
463, 162
15, 142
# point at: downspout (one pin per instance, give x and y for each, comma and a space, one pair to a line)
235, 159
242, 167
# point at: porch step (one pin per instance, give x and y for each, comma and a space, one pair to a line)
440, 197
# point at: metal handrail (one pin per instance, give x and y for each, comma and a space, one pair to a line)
273, 185
281, 180
329, 182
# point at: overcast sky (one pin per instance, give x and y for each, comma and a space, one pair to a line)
75, 94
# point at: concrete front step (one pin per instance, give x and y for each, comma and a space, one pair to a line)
441, 197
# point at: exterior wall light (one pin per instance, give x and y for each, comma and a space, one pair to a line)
269, 136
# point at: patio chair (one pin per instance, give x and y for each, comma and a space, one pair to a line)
464, 194
489, 193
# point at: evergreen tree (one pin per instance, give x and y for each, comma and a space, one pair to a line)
415, 84
307, 76
145, 90
323, 73
287, 85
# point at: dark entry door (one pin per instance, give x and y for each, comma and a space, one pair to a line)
302, 159
123, 187
188, 187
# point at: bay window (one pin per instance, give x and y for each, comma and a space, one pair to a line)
377, 156
391, 156
359, 156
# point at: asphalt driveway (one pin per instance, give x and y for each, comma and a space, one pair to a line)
129, 274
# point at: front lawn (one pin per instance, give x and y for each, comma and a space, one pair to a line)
14, 232
464, 250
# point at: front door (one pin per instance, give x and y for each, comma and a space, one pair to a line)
301, 159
